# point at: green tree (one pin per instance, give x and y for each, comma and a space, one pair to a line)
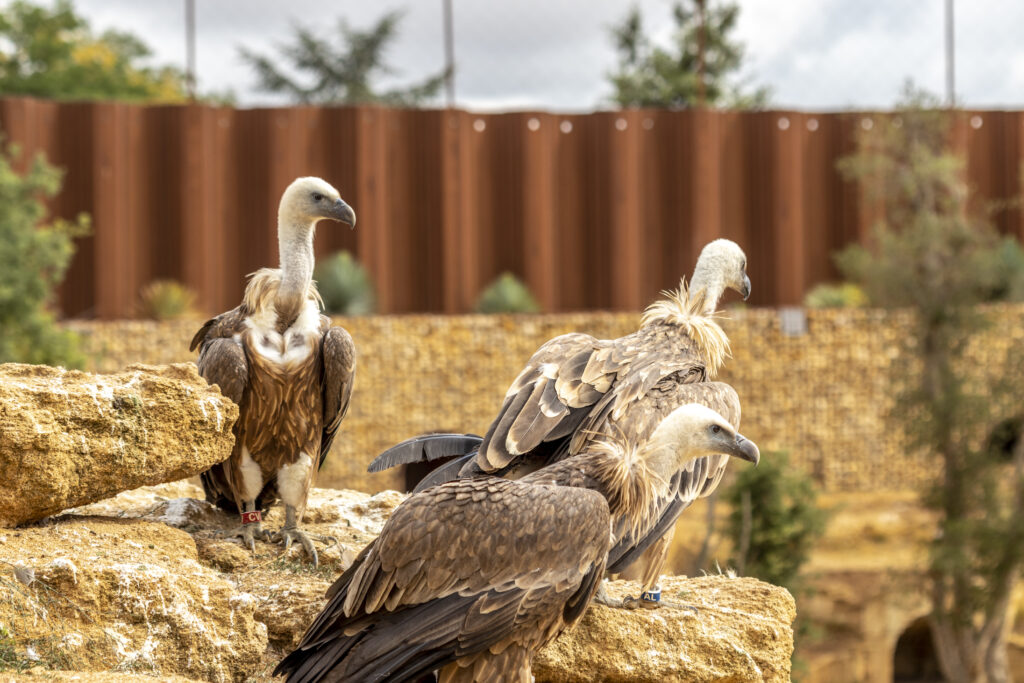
339, 71
51, 52
774, 520
34, 256
649, 75
937, 257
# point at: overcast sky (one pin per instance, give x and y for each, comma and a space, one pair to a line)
555, 54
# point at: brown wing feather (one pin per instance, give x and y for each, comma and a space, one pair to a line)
469, 566
222, 362
531, 410
339, 363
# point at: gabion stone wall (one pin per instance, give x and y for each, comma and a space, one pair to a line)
824, 395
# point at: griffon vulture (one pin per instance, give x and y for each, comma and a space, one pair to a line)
473, 576
576, 387
287, 368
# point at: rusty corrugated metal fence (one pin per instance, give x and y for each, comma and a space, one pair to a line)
593, 211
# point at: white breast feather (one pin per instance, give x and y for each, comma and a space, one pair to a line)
294, 346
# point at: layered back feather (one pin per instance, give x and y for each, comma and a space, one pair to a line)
685, 309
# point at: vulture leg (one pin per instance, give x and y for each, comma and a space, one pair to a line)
291, 533
248, 532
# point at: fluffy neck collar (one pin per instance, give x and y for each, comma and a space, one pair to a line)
690, 312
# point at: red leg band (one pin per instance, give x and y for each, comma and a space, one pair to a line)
252, 517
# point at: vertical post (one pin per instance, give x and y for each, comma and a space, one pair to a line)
950, 58
701, 31
190, 48
449, 54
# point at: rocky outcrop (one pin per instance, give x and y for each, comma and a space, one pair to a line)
737, 630
141, 583
68, 438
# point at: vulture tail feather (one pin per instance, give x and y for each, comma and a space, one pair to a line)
425, 448
445, 473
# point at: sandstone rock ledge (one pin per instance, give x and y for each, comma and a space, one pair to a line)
139, 584
69, 438
742, 630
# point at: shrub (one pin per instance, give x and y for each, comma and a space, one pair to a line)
167, 300
507, 294
774, 521
843, 295
345, 285
34, 256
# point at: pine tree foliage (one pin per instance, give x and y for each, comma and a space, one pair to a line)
339, 71
650, 75
34, 256
934, 254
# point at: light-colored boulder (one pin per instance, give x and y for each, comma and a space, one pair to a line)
125, 596
740, 630
68, 438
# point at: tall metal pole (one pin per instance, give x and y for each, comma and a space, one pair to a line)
190, 48
950, 57
701, 28
449, 54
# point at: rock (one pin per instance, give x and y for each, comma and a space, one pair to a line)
140, 583
68, 438
130, 596
742, 631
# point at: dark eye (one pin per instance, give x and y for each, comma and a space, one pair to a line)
317, 197
715, 429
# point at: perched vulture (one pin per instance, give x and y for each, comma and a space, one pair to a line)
287, 368
471, 577
577, 388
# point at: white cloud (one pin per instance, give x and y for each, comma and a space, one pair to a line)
815, 54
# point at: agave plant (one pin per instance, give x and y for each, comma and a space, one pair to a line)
507, 294
345, 285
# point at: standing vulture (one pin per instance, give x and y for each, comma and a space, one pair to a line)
576, 387
287, 368
473, 576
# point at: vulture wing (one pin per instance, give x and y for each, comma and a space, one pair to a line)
222, 362
546, 401
471, 566
339, 370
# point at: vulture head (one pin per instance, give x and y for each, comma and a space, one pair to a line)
694, 431
721, 264
308, 200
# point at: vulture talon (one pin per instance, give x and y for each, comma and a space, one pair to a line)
287, 536
247, 533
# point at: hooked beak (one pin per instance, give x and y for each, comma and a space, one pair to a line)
340, 211
745, 449
745, 290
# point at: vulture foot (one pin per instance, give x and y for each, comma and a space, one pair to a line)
248, 533
289, 535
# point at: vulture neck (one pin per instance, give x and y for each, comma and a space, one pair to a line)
708, 278
295, 244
